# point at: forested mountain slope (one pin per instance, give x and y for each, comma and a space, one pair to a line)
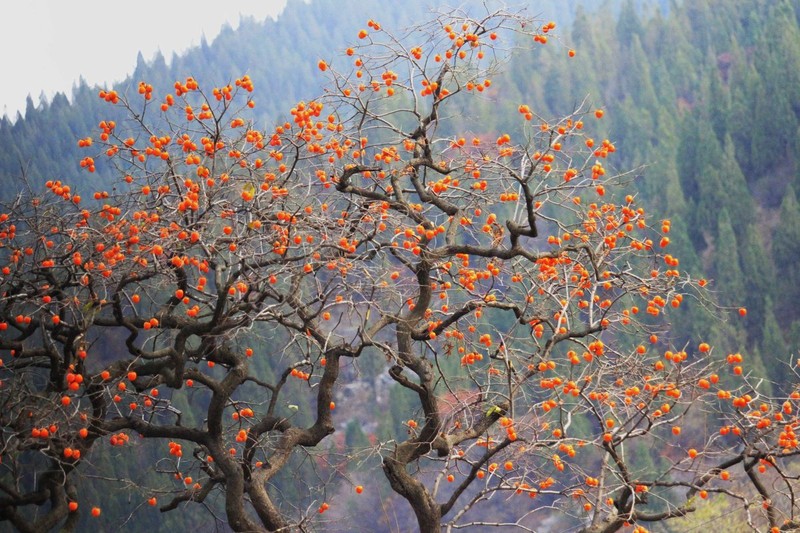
704, 96
702, 101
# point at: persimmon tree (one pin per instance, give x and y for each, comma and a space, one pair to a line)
510, 281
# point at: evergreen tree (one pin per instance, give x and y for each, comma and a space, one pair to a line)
730, 280
745, 85
793, 339
699, 164
717, 100
354, 436
690, 320
785, 251
401, 402
757, 366
701, 17
629, 26
774, 350
777, 60
736, 195
759, 276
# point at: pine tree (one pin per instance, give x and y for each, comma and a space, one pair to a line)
746, 85
736, 195
785, 251
629, 25
759, 276
717, 100
699, 152
757, 366
689, 320
777, 60
354, 436
774, 350
793, 339
730, 280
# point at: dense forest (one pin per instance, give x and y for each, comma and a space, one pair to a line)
703, 105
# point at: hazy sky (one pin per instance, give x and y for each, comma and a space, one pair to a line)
46, 45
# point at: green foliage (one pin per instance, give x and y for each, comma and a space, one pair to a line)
785, 251
759, 276
730, 280
354, 436
401, 403
774, 351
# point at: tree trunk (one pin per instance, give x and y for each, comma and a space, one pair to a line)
427, 511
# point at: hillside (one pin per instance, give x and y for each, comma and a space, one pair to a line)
711, 119
703, 104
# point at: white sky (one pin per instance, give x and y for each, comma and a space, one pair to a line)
46, 45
